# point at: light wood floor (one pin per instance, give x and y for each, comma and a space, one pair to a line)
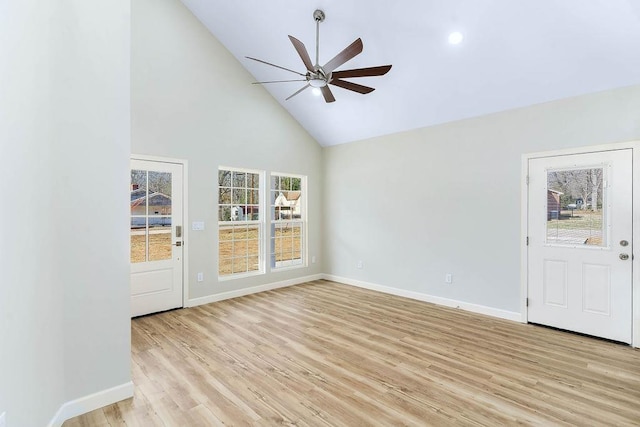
333, 355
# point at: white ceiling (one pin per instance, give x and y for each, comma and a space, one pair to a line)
514, 54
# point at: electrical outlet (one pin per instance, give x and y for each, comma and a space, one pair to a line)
359, 264
313, 259
448, 278
3, 419
200, 277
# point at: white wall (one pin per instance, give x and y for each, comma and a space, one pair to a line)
31, 345
64, 147
446, 199
192, 100
91, 140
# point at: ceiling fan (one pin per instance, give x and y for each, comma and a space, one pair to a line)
321, 76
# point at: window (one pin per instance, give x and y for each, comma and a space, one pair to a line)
575, 208
150, 216
287, 220
240, 222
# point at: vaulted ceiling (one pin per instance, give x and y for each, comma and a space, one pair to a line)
514, 54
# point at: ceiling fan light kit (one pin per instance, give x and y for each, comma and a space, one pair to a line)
320, 77
318, 83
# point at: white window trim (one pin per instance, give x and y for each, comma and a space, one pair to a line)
262, 256
288, 265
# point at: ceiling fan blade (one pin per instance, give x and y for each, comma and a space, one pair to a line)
351, 86
302, 51
274, 65
298, 91
348, 53
362, 72
328, 96
279, 81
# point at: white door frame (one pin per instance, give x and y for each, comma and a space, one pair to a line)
524, 209
185, 217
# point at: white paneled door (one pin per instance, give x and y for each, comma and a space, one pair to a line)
579, 253
156, 236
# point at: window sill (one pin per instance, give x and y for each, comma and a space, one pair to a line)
287, 267
240, 275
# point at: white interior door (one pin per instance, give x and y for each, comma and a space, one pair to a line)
156, 236
580, 249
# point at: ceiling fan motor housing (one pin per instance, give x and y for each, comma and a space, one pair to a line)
319, 78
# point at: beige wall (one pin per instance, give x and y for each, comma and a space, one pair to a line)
414, 206
192, 100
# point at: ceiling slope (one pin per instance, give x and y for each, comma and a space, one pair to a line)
514, 54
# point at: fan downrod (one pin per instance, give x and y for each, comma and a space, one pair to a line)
318, 15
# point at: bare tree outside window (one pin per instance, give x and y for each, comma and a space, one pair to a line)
240, 225
582, 187
575, 207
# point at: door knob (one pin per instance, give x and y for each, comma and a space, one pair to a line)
624, 257
624, 243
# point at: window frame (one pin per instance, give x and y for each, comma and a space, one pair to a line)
260, 222
302, 221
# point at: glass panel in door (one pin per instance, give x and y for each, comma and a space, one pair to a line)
151, 211
575, 208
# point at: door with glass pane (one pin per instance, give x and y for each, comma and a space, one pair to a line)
156, 236
579, 253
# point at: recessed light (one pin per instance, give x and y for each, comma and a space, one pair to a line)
455, 38
316, 91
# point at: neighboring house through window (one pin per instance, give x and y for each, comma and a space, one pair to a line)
288, 219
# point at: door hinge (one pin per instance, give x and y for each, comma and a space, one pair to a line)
527, 240
526, 302
527, 179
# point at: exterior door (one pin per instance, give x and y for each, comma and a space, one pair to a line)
156, 236
580, 248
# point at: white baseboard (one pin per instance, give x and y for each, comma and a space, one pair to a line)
474, 308
248, 291
92, 402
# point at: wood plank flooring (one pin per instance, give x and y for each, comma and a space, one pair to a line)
326, 354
